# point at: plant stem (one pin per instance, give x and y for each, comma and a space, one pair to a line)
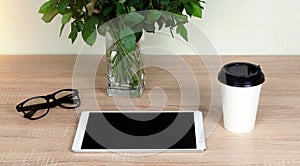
125, 64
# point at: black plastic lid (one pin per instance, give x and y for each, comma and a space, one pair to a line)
241, 74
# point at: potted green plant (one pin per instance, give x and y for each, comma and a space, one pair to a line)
123, 22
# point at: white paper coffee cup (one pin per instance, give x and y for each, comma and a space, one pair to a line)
240, 85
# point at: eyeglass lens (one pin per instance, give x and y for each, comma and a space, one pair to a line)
35, 107
67, 99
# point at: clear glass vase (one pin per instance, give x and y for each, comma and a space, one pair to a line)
125, 73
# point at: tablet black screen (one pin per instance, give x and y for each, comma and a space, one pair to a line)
140, 131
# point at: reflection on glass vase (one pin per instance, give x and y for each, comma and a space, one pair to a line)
125, 73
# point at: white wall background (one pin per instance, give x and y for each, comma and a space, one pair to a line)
234, 27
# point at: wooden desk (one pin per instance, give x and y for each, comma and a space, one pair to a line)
274, 141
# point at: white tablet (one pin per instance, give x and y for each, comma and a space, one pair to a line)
146, 131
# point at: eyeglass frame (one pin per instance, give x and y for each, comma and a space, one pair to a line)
50, 104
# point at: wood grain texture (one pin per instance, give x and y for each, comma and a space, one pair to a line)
274, 141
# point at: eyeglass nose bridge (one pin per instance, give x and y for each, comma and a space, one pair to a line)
50, 96
52, 100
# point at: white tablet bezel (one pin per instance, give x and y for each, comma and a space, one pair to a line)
198, 121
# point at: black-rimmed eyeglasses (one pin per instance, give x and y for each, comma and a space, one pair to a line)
37, 107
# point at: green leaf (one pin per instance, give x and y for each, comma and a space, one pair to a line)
48, 17
164, 2
153, 16
161, 22
149, 27
134, 18
134, 3
66, 18
197, 10
120, 10
73, 34
138, 36
48, 7
89, 33
181, 19
79, 5
128, 39
122, 1
102, 29
168, 19
181, 30
89, 37
65, 11
185, 1
79, 26
170, 23
132, 9
63, 4
107, 10
90, 23
61, 29
188, 8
